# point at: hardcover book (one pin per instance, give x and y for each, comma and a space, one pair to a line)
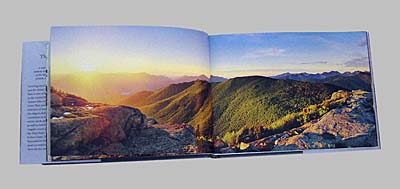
119, 93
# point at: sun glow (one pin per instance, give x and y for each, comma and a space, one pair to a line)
87, 68
161, 51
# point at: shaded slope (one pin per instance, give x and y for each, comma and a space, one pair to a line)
358, 80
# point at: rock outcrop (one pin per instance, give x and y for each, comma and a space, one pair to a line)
85, 129
351, 125
80, 129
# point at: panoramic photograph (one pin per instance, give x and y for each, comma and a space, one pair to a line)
291, 91
129, 92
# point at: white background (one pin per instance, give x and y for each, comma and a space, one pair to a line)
27, 21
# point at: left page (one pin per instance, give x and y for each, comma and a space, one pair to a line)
128, 92
33, 121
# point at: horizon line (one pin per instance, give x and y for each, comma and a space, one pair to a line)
211, 75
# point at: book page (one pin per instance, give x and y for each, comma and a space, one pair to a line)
128, 92
288, 92
33, 116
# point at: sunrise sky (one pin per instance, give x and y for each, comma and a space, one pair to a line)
176, 52
275, 53
154, 50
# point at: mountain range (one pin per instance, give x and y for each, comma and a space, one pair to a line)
348, 80
230, 105
110, 88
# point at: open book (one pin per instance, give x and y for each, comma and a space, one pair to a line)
138, 92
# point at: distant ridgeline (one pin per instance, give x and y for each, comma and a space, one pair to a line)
348, 80
110, 88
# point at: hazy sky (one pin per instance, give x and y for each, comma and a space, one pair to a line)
155, 50
275, 53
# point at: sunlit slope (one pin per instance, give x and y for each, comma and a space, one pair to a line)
254, 101
148, 97
187, 102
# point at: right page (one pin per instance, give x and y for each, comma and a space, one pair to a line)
275, 92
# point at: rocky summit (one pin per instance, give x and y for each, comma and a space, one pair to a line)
80, 129
350, 124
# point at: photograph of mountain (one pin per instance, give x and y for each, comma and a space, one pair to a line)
120, 92
123, 91
292, 91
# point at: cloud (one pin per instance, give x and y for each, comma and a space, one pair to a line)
316, 62
260, 53
357, 62
363, 42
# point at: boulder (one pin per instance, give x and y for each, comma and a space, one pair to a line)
124, 121
102, 126
69, 134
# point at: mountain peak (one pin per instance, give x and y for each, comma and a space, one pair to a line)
215, 79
